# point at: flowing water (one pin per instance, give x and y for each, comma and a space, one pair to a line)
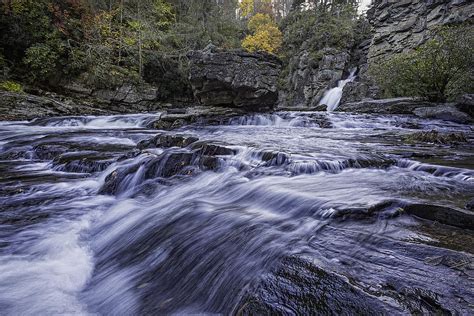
291, 213
333, 97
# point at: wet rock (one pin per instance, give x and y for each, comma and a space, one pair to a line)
23, 106
470, 205
168, 165
167, 141
417, 301
209, 163
207, 149
234, 78
197, 114
442, 214
14, 154
299, 287
275, 158
384, 106
83, 162
447, 112
49, 151
436, 137
465, 104
130, 155
114, 180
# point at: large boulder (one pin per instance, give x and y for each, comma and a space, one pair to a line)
234, 78
447, 112
384, 106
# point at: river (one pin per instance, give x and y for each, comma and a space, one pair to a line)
292, 213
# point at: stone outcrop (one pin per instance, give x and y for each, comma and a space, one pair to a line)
384, 106
309, 79
402, 25
447, 112
234, 78
459, 112
24, 106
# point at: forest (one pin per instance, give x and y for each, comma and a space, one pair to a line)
108, 42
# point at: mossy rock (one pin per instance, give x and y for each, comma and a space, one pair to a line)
436, 137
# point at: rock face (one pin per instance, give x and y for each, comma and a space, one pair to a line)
309, 79
234, 78
401, 25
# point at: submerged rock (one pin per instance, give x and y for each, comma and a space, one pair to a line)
234, 78
301, 288
49, 151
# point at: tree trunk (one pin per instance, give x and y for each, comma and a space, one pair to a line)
140, 57
121, 33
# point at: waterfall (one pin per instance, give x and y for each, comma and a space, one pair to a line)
332, 98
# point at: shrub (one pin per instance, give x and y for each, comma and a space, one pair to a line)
42, 60
10, 86
438, 70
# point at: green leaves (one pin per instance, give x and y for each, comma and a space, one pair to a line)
42, 60
438, 70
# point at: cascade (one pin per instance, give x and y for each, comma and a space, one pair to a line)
332, 98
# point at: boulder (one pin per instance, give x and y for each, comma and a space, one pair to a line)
384, 106
234, 78
447, 112
465, 103
442, 214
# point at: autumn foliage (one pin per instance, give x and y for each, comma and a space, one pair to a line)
264, 32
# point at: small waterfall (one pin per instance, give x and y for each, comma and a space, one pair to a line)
332, 98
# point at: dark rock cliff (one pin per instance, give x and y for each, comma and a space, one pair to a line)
234, 78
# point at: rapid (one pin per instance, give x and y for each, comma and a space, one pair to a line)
288, 213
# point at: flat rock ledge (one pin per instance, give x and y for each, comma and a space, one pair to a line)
456, 112
234, 78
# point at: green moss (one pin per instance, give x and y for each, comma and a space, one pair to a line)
10, 86
435, 137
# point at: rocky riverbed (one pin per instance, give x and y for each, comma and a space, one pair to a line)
290, 212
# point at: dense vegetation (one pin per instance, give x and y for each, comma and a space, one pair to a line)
439, 70
106, 42
321, 26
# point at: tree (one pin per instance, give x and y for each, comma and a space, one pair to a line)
265, 34
438, 70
